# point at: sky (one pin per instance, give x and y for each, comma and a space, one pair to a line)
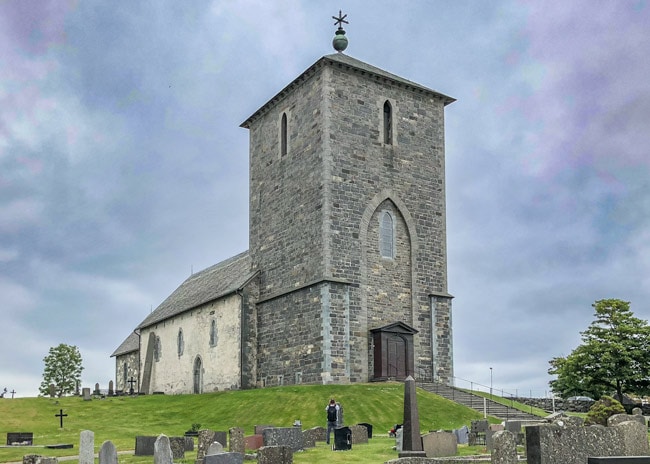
123, 168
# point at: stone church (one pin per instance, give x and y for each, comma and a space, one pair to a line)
345, 278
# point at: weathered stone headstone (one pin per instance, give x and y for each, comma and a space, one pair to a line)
359, 434
411, 442
189, 443
52, 392
315, 434
275, 455
111, 392
438, 444
214, 448
504, 448
85, 392
38, 459
284, 436
617, 419
177, 444
96, 392
368, 427
108, 453
87, 447
552, 444
162, 451
205, 438
237, 444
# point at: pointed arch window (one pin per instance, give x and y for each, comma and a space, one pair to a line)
388, 123
283, 135
386, 235
180, 343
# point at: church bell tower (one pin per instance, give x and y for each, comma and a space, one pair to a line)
348, 227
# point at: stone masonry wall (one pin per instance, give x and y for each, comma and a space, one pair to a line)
130, 360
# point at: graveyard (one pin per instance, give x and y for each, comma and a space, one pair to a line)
121, 419
286, 425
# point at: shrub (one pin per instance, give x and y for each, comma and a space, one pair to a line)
605, 407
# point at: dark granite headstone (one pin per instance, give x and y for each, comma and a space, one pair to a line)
20, 438
144, 445
224, 458
342, 439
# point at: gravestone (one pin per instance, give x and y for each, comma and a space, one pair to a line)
411, 442
177, 444
284, 436
224, 458
52, 390
108, 453
619, 460
342, 439
162, 451
111, 392
359, 434
20, 438
189, 443
275, 455
462, 435
87, 447
38, 459
398, 439
492, 429
144, 445
315, 434
205, 438
255, 442
504, 448
552, 444
85, 392
368, 427
96, 392
438, 444
214, 448
237, 444
620, 418
260, 428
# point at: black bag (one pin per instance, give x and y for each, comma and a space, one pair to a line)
331, 413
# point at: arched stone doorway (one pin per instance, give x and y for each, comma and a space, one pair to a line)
198, 375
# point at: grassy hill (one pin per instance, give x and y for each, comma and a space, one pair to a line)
120, 419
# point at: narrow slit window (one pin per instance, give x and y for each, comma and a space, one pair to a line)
388, 123
181, 342
386, 236
283, 135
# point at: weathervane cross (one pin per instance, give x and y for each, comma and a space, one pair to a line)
340, 20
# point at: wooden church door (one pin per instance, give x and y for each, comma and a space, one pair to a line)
393, 352
396, 357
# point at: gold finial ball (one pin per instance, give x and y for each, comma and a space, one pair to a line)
340, 41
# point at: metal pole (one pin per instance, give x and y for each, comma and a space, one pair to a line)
490, 383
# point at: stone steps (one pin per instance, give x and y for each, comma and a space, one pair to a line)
477, 402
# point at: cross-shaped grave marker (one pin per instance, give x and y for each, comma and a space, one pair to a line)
61, 416
131, 382
13, 392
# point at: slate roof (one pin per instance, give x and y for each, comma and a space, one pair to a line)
131, 344
352, 63
207, 285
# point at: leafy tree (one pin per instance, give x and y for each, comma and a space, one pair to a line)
614, 355
62, 369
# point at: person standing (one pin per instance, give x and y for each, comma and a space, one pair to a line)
332, 410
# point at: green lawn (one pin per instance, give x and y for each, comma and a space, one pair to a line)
120, 419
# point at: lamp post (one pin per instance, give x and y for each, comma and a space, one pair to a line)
490, 383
